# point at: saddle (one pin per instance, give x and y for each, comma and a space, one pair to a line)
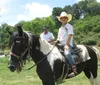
75, 51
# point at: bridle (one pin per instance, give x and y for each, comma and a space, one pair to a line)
19, 57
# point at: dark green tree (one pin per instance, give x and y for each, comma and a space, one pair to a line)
56, 12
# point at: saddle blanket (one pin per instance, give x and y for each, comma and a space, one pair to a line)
82, 55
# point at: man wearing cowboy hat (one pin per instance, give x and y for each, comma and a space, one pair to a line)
65, 36
46, 35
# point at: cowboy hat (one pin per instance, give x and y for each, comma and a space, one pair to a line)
64, 14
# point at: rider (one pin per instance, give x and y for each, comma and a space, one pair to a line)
47, 35
65, 36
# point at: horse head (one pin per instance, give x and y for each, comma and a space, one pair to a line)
19, 44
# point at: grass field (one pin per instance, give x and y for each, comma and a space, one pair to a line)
29, 77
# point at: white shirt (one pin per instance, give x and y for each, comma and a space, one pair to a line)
63, 33
48, 37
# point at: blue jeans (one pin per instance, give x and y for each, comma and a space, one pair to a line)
69, 56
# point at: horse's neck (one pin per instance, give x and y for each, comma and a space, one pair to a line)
41, 53
45, 47
53, 51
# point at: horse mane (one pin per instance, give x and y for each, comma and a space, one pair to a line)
35, 42
45, 47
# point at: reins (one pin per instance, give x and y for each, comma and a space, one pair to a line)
42, 58
18, 57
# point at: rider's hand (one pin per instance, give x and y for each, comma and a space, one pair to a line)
66, 47
56, 42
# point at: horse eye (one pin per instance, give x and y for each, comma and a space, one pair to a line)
17, 41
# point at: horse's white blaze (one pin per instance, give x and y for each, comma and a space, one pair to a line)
54, 54
9, 58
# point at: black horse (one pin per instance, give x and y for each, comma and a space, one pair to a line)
51, 65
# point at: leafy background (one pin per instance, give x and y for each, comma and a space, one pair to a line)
86, 30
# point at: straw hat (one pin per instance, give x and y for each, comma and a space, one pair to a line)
64, 14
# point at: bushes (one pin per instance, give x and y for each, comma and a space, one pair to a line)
87, 30
97, 29
86, 41
89, 42
98, 43
89, 38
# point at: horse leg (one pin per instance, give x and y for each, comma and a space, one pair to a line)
94, 73
89, 76
92, 65
50, 82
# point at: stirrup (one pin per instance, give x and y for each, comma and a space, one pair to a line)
75, 72
71, 75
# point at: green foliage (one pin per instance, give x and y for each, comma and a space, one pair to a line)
4, 35
89, 41
98, 43
86, 30
97, 29
93, 8
56, 12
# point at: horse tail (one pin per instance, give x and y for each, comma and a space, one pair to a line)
96, 51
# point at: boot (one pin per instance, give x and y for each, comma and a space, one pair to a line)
74, 69
74, 73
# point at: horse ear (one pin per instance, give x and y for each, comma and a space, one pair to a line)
20, 31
